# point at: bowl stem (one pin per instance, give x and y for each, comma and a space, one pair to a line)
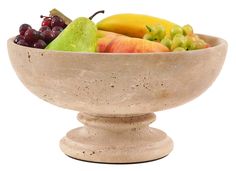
116, 139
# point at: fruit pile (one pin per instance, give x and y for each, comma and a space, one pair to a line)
157, 30
50, 28
121, 33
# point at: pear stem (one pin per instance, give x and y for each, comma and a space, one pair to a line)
101, 11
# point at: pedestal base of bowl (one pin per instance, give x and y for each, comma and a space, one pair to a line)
116, 139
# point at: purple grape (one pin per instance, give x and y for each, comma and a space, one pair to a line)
44, 28
18, 38
23, 28
55, 33
40, 44
31, 36
39, 35
48, 36
22, 42
42, 36
64, 26
46, 21
57, 21
51, 27
57, 28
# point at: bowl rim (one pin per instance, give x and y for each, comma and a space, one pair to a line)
221, 42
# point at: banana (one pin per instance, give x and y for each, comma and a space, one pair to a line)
133, 25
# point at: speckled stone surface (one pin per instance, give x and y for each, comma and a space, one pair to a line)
117, 86
116, 139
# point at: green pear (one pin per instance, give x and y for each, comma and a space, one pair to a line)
78, 36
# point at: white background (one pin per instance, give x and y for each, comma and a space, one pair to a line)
203, 130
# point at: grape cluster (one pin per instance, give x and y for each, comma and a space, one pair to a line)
179, 38
51, 27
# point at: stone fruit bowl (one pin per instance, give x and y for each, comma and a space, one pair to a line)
116, 94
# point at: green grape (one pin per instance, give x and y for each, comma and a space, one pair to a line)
187, 29
200, 44
179, 49
167, 42
156, 33
192, 46
194, 42
189, 42
176, 30
160, 32
178, 41
148, 36
150, 28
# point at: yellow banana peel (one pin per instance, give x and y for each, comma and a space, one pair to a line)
133, 25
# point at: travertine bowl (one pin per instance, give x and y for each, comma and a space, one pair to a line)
117, 94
